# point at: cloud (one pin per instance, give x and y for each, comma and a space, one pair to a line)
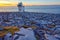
10, 0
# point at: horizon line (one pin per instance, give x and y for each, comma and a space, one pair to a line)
29, 5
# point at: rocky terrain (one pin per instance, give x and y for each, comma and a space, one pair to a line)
44, 25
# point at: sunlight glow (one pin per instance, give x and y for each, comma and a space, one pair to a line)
6, 3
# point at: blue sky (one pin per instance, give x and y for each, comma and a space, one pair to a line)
37, 2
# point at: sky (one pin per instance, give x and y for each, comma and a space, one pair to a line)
30, 2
